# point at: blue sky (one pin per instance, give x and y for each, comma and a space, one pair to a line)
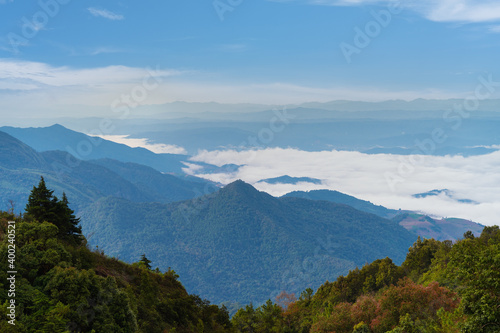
85, 53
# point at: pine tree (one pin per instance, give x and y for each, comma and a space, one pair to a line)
68, 224
43, 206
145, 261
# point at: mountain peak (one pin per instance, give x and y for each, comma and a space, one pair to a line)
240, 186
57, 126
243, 191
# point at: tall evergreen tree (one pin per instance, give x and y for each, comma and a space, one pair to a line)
68, 223
43, 205
145, 261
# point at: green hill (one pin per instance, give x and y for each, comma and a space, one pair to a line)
242, 245
62, 288
85, 181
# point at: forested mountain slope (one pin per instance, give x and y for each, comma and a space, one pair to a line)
239, 244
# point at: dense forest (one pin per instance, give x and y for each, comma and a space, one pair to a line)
63, 286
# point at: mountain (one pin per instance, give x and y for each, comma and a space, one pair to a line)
64, 287
242, 245
417, 223
85, 181
290, 180
85, 147
161, 187
439, 229
341, 198
445, 192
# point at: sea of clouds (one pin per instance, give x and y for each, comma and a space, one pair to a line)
384, 179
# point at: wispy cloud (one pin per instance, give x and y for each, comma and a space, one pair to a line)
465, 11
31, 89
104, 50
495, 29
41, 74
104, 13
158, 148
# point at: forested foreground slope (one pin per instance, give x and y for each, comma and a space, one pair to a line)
440, 288
62, 286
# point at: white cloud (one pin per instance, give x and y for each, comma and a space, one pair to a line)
435, 10
43, 74
364, 176
105, 14
158, 148
30, 88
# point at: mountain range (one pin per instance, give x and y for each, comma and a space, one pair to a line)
423, 225
241, 245
86, 181
235, 244
85, 147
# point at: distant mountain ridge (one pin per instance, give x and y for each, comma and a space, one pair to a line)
440, 229
84, 147
444, 192
84, 181
290, 180
418, 223
341, 198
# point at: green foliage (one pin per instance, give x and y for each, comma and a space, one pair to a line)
420, 256
382, 297
266, 318
43, 206
145, 261
476, 262
63, 287
361, 328
370, 278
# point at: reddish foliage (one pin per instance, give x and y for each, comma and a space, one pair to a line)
421, 302
383, 312
284, 300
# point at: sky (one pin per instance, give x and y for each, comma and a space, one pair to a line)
66, 58
78, 58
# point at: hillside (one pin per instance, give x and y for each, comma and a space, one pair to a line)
84, 147
439, 229
341, 198
242, 245
417, 223
441, 287
84, 181
66, 288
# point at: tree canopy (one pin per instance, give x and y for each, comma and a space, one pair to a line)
44, 206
